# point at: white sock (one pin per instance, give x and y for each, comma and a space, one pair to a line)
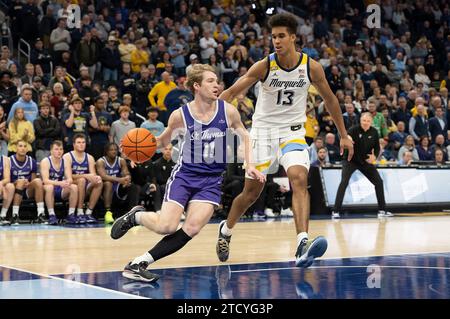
88, 211
15, 211
137, 217
80, 211
51, 211
301, 236
145, 257
225, 230
71, 210
4, 212
40, 208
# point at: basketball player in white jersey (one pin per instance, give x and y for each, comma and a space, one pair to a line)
278, 131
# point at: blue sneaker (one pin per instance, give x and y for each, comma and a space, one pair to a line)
308, 250
52, 220
90, 219
81, 219
72, 219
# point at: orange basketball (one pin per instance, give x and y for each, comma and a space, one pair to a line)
139, 145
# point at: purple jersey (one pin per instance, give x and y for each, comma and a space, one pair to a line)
203, 148
56, 175
113, 170
1, 167
80, 168
22, 170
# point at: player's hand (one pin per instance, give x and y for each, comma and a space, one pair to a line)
65, 184
152, 188
92, 109
133, 164
127, 180
97, 179
347, 143
255, 174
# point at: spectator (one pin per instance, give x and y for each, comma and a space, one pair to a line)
418, 125
245, 108
177, 53
139, 57
60, 39
29, 74
424, 150
160, 91
438, 124
439, 142
87, 53
110, 59
47, 129
4, 133
58, 100
178, 96
322, 159
207, 45
422, 77
120, 127
162, 168
125, 49
26, 103
378, 120
20, 129
100, 135
143, 87
350, 117
410, 147
40, 55
8, 90
402, 113
406, 159
60, 77
333, 150
439, 158
311, 125
152, 124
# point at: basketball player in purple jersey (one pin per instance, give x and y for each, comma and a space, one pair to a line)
80, 167
23, 175
195, 182
6, 189
57, 185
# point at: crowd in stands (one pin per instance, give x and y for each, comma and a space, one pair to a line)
124, 66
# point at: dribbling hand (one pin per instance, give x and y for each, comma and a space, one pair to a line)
347, 143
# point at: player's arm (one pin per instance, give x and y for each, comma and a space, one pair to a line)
68, 168
234, 120
6, 171
175, 123
256, 72
102, 172
92, 176
125, 172
331, 103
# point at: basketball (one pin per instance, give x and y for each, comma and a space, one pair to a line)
139, 145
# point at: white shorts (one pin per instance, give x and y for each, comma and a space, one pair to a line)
290, 150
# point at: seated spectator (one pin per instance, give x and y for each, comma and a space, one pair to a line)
58, 186
20, 130
58, 100
407, 158
120, 127
386, 154
4, 133
80, 168
418, 124
6, 189
438, 124
321, 161
333, 150
8, 90
439, 157
117, 182
27, 104
46, 129
398, 138
314, 147
424, 150
410, 146
23, 176
439, 142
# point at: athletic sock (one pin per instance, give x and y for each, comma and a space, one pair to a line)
15, 211
71, 211
51, 211
80, 211
225, 230
4, 212
88, 211
300, 237
145, 257
170, 244
40, 208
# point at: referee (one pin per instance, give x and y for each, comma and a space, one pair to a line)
367, 148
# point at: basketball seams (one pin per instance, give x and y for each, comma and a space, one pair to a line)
139, 149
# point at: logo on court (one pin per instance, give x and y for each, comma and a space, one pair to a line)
374, 18
73, 272
374, 279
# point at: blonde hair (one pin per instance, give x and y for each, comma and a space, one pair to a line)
15, 120
195, 75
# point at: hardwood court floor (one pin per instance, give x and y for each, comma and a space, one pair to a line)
63, 250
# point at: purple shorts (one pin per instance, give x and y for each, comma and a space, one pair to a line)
183, 187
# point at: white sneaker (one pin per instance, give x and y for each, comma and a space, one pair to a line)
269, 213
335, 215
287, 212
382, 213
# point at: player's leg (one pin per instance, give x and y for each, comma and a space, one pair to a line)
36, 190
49, 196
7, 193
70, 193
17, 200
81, 184
107, 201
93, 191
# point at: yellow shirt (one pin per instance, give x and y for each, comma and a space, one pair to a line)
160, 91
247, 102
19, 134
310, 123
138, 57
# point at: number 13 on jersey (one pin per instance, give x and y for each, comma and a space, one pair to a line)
285, 97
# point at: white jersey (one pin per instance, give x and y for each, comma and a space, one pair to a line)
282, 97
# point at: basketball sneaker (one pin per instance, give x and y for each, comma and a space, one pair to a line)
335, 215
72, 219
139, 272
52, 220
109, 218
382, 213
308, 250
126, 222
4, 222
269, 213
81, 219
41, 219
15, 220
223, 244
90, 219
